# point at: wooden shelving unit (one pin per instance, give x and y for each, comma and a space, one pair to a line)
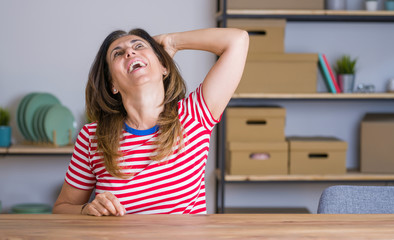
245, 100
258, 99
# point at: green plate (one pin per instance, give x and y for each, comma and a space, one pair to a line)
40, 126
32, 106
21, 113
59, 119
37, 122
31, 208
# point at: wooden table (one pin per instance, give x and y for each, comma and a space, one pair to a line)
218, 226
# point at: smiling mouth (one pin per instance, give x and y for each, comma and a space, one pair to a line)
136, 65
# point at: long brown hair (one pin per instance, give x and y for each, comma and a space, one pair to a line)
108, 111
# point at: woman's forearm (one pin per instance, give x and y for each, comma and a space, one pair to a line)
215, 40
66, 208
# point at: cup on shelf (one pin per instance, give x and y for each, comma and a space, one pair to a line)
336, 4
390, 85
371, 5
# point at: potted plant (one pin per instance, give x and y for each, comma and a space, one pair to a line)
5, 129
371, 5
346, 69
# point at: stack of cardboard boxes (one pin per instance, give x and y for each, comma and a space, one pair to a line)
255, 137
268, 68
256, 141
256, 145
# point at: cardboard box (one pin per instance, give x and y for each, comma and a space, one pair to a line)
276, 4
257, 158
265, 35
377, 143
317, 155
279, 73
255, 124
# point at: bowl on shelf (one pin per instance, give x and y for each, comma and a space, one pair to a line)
31, 208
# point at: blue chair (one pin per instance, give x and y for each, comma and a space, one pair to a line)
357, 200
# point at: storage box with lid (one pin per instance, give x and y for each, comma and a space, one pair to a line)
257, 158
279, 73
377, 143
276, 4
317, 155
265, 35
254, 124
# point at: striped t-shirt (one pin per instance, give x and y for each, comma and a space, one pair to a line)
174, 185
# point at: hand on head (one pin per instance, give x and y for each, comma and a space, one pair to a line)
168, 44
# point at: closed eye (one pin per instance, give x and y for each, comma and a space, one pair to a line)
118, 53
139, 45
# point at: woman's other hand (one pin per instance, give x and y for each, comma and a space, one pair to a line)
104, 204
167, 42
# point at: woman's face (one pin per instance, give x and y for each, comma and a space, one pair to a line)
133, 62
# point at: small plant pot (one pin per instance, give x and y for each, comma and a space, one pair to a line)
371, 5
389, 5
5, 136
346, 82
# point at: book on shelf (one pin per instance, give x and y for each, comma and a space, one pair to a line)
326, 74
332, 75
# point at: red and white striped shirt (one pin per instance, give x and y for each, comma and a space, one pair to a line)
173, 186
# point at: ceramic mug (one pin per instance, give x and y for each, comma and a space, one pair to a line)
336, 4
371, 5
390, 85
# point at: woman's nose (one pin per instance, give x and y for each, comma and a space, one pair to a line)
130, 52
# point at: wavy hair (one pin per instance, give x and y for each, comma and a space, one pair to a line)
106, 108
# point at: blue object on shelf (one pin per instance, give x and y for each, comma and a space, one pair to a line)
5, 136
389, 5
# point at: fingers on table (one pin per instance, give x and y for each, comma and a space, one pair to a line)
106, 204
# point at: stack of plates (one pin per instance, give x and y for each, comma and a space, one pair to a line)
32, 208
42, 118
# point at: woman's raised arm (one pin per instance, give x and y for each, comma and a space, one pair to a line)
231, 45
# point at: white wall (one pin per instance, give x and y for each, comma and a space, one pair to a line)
48, 46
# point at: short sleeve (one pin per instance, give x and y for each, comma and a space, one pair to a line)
79, 173
195, 106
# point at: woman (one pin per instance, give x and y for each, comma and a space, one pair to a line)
146, 150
